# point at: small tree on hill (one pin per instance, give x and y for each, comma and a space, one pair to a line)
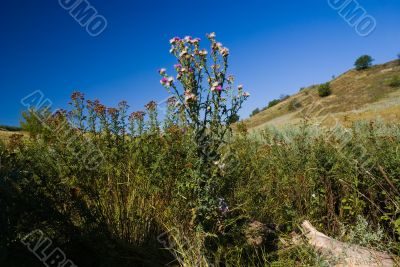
363, 62
324, 90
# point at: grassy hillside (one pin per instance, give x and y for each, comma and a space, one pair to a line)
355, 95
7, 131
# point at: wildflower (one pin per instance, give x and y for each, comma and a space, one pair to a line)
123, 104
177, 66
189, 96
99, 108
223, 206
219, 164
240, 87
224, 51
246, 94
138, 115
90, 104
172, 101
203, 52
195, 41
216, 87
151, 105
112, 111
167, 81
188, 39
174, 40
183, 53
216, 46
211, 35
77, 95
162, 71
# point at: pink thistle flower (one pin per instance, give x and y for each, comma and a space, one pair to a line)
188, 38
216, 87
189, 96
164, 80
224, 51
174, 40
203, 52
195, 41
211, 35
167, 81
162, 71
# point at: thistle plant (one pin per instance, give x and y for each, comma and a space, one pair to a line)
210, 102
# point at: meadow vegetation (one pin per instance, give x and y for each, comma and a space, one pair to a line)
113, 189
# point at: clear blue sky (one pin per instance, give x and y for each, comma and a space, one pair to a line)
276, 47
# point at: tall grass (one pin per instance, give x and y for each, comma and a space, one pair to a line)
144, 188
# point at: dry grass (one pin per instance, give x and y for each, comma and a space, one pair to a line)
5, 135
355, 95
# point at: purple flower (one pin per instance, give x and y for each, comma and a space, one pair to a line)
223, 206
174, 40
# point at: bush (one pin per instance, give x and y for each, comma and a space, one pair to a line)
294, 104
10, 128
283, 97
273, 103
363, 62
394, 81
255, 112
324, 90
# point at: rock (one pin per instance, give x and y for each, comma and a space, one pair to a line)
345, 254
259, 234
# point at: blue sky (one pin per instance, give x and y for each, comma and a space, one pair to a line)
276, 47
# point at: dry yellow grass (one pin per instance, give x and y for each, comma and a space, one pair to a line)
5, 135
356, 95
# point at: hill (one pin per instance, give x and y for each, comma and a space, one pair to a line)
356, 95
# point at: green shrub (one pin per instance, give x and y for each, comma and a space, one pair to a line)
10, 128
394, 81
273, 103
255, 112
294, 105
324, 90
363, 62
